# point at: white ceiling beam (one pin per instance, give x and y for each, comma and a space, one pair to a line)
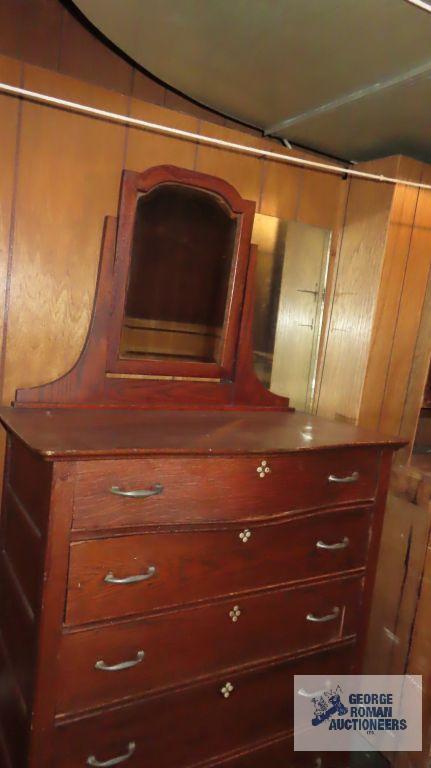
405, 77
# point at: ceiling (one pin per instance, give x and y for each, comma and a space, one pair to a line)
350, 78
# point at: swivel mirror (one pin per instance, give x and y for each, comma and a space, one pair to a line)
180, 264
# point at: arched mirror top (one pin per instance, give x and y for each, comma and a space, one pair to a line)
181, 262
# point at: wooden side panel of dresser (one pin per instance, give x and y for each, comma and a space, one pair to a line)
191, 662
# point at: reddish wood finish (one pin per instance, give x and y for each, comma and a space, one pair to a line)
279, 753
49, 626
15, 721
196, 642
198, 565
25, 508
199, 721
23, 547
84, 383
98, 433
93, 378
135, 184
219, 489
62, 531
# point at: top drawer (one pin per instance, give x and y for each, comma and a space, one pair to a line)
114, 493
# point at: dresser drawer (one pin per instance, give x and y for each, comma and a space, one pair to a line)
168, 649
280, 753
220, 488
179, 729
135, 574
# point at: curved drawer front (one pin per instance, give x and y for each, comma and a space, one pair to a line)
135, 574
106, 664
280, 753
202, 721
219, 488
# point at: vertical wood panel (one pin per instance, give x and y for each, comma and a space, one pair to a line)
401, 559
281, 189
39, 38
30, 30
397, 250
181, 103
9, 26
10, 71
334, 258
407, 327
242, 171
68, 180
145, 149
419, 664
146, 89
361, 259
319, 196
418, 373
9, 115
83, 56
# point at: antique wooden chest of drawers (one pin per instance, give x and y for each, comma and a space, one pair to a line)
164, 630
175, 543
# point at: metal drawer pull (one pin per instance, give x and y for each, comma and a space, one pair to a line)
338, 545
123, 665
111, 579
114, 760
348, 479
328, 617
154, 491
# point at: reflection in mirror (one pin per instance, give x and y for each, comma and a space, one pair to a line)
179, 275
291, 275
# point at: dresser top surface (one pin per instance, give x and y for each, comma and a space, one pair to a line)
70, 433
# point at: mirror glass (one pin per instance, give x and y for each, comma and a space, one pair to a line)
179, 276
291, 276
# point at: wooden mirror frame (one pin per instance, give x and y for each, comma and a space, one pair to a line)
100, 378
133, 186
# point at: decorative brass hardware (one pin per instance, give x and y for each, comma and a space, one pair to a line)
114, 760
328, 617
245, 535
353, 478
226, 690
263, 469
155, 491
123, 665
111, 579
338, 545
235, 613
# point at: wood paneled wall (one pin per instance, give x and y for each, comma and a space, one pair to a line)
378, 339
61, 175
395, 363
358, 278
46, 33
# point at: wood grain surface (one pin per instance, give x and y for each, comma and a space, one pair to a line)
196, 642
199, 720
86, 432
188, 566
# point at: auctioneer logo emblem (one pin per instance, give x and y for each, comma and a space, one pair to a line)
326, 705
358, 712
